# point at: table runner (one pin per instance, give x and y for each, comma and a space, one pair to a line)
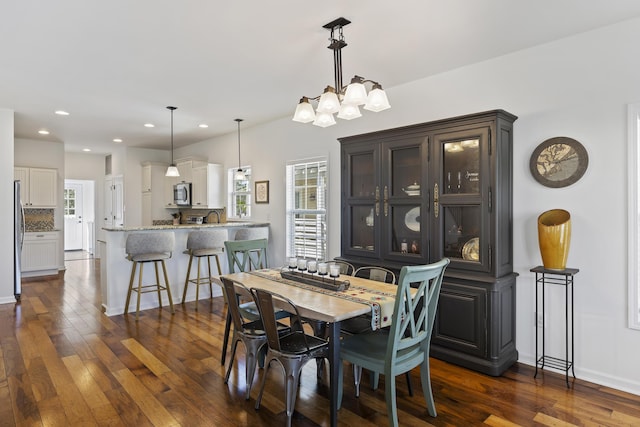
381, 302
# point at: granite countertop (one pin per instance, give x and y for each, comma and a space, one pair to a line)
229, 224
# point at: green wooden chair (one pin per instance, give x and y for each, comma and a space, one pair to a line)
396, 350
246, 255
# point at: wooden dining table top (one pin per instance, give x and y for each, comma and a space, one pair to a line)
318, 305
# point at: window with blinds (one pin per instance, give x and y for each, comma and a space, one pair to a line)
307, 209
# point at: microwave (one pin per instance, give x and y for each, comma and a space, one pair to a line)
182, 194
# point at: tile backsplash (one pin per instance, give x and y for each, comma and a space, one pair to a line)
38, 219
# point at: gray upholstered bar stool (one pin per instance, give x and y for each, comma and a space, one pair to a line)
201, 244
252, 233
142, 248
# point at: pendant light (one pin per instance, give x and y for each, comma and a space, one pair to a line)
239, 175
172, 170
344, 100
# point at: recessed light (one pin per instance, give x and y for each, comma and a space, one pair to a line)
43, 132
62, 113
203, 125
149, 125
118, 140
86, 149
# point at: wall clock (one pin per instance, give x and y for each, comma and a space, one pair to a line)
558, 162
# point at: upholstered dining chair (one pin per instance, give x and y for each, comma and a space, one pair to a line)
292, 350
246, 330
405, 345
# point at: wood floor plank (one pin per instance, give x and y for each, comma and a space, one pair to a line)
149, 405
37, 305
495, 421
150, 361
91, 392
63, 362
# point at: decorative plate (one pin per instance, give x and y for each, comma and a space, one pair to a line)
558, 162
471, 250
412, 219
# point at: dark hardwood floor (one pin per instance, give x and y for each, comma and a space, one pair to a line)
64, 363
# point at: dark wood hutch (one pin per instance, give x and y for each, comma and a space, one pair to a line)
415, 194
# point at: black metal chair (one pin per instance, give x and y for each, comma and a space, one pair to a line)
240, 259
379, 274
346, 268
250, 332
245, 255
292, 350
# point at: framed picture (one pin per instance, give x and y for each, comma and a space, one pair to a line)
262, 191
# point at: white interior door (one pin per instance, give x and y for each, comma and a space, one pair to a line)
73, 218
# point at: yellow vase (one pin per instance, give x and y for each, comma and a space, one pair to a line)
554, 236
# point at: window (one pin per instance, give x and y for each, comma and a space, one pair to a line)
239, 193
307, 209
69, 202
633, 156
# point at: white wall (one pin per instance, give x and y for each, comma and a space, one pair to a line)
576, 87
6, 215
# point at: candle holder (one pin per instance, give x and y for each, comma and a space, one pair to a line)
322, 270
334, 272
312, 267
293, 263
302, 265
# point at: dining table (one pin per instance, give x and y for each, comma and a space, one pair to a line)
363, 296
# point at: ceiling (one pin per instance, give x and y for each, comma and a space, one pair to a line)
115, 65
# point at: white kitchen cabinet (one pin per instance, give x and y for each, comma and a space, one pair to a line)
154, 200
186, 167
169, 182
38, 189
41, 253
147, 208
114, 201
147, 169
207, 189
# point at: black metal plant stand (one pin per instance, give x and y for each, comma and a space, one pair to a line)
564, 278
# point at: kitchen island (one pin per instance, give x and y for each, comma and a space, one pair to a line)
115, 269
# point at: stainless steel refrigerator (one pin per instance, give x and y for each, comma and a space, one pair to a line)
18, 237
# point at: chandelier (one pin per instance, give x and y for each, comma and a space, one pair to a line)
338, 99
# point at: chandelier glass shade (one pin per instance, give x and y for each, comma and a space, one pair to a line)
172, 170
338, 99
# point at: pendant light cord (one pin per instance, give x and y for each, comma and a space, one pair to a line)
172, 109
239, 168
